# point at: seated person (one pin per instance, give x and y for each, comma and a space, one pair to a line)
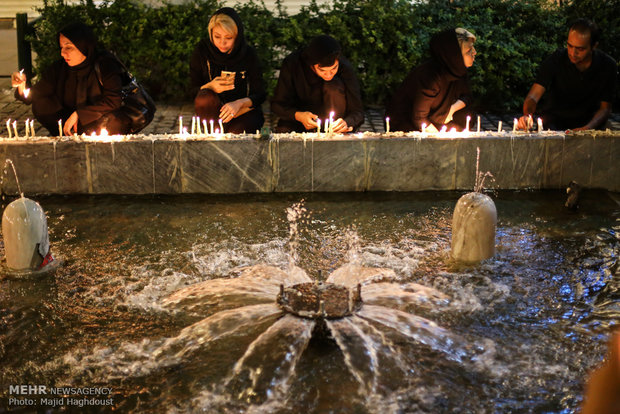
70, 90
314, 82
226, 76
579, 83
436, 92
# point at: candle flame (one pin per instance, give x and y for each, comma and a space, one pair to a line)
104, 132
26, 92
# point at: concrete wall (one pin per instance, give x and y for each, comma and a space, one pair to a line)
164, 165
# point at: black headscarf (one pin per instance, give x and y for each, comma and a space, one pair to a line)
83, 38
446, 50
240, 47
74, 84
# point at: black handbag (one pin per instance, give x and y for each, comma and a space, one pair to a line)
137, 103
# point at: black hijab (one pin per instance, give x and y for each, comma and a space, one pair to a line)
239, 49
74, 81
446, 50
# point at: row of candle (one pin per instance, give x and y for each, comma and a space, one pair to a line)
200, 127
29, 131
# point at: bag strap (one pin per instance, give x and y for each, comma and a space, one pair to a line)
122, 65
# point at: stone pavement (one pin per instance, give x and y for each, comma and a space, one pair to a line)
167, 116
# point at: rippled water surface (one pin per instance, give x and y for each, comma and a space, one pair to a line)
517, 333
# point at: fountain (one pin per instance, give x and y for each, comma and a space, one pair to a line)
172, 304
24, 233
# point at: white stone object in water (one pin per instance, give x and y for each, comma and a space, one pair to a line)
473, 228
24, 229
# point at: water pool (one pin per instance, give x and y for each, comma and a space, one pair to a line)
525, 326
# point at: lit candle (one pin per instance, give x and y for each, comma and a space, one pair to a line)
514, 125
540, 125
180, 125
331, 122
443, 128
326, 127
387, 125
193, 125
184, 132
104, 132
211, 125
499, 126
60, 128
204, 126
219, 121
453, 130
467, 124
26, 92
32, 127
27, 127
423, 127
15, 129
198, 126
8, 127
478, 127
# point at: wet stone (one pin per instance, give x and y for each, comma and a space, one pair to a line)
319, 300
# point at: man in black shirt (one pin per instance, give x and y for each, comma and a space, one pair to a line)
313, 83
580, 82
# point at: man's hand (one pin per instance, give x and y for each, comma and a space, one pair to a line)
308, 119
340, 126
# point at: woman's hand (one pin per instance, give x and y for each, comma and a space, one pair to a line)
18, 80
308, 119
220, 84
231, 110
70, 124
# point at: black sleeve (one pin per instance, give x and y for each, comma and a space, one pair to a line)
355, 109
110, 97
196, 72
284, 100
257, 92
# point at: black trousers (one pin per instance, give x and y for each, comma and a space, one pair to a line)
208, 104
115, 122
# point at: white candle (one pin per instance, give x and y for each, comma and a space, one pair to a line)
27, 127
478, 127
423, 127
184, 132
60, 128
331, 122
467, 125
180, 125
443, 128
193, 125
15, 129
32, 128
499, 126
318, 128
540, 125
387, 125
219, 121
211, 125
514, 125
8, 127
326, 127
198, 126
204, 127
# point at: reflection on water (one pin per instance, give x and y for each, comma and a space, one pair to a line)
148, 304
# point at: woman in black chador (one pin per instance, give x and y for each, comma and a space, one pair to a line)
226, 76
436, 92
70, 90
